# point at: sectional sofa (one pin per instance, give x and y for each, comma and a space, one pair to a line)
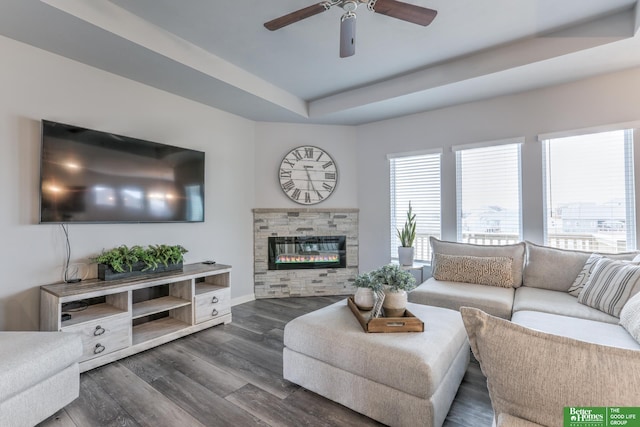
544, 323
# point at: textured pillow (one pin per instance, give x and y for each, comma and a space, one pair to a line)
492, 271
610, 285
630, 317
584, 275
533, 375
515, 252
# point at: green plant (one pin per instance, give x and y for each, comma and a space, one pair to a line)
365, 280
408, 233
393, 277
122, 258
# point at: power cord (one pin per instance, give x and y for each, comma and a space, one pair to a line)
65, 229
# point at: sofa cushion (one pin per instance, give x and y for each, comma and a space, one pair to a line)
610, 284
630, 317
492, 271
581, 329
453, 295
557, 269
516, 252
556, 302
28, 358
533, 375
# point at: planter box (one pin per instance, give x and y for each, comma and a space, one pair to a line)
106, 273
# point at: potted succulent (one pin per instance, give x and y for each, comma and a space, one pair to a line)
124, 261
395, 282
407, 236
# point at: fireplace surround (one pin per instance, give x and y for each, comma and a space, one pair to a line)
306, 275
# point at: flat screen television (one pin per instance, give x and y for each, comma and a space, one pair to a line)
88, 176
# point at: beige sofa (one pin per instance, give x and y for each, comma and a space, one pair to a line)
534, 297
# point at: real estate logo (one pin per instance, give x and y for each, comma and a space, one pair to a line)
601, 416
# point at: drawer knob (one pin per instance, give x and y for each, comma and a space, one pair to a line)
215, 300
99, 348
98, 331
214, 312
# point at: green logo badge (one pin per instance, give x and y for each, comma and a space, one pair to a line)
579, 416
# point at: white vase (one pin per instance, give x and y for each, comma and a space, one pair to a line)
364, 299
405, 255
395, 303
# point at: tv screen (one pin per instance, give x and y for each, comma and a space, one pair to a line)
87, 176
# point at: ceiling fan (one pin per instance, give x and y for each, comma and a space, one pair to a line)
396, 9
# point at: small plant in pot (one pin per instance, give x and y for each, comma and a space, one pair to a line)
395, 282
124, 261
407, 236
364, 297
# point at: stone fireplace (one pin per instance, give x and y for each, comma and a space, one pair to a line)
305, 252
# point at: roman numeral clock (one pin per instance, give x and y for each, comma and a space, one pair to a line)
308, 175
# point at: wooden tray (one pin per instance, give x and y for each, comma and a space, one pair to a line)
408, 323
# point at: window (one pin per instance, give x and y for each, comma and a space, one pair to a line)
416, 179
589, 192
488, 193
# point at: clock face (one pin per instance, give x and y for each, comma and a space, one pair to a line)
308, 175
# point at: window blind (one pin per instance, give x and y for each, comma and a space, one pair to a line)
415, 179
488, 194
589, 192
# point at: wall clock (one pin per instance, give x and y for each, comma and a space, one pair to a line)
308, 175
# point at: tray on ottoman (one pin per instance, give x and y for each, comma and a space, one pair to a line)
407, 323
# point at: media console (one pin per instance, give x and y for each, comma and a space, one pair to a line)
122, 317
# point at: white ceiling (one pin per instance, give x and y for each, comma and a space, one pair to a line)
218, 53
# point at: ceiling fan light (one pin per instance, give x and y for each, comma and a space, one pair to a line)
348, 35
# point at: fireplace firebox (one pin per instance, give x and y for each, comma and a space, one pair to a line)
291, 253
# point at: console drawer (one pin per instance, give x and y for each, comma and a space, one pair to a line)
103, 336
212, 304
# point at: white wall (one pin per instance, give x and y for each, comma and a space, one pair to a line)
38, 85
275, 140
608, 99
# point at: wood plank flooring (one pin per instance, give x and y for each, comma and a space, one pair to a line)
231, 375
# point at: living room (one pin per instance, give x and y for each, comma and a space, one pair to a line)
243, 156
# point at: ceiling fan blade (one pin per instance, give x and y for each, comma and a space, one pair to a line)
405, 11
348, 35
296, 16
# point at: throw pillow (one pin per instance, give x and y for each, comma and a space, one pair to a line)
610, 285
516, 252
630, 317
533, 375
584, 275
492, 271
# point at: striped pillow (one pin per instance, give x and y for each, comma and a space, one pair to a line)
610, 285
492, 271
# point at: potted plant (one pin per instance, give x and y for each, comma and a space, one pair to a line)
395, 282
124, 261
364, 297
407, 236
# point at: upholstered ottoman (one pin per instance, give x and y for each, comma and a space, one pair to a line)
400, 379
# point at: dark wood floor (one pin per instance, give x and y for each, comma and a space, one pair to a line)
231, 375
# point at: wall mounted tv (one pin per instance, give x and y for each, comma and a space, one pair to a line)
87, 176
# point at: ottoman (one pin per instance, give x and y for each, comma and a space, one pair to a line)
399, 379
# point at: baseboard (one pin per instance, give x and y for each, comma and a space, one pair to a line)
242, 299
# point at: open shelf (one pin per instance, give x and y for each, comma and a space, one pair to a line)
203, 288
91, 313
156, 329
157, 305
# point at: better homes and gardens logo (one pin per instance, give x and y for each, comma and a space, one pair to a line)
601, 416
